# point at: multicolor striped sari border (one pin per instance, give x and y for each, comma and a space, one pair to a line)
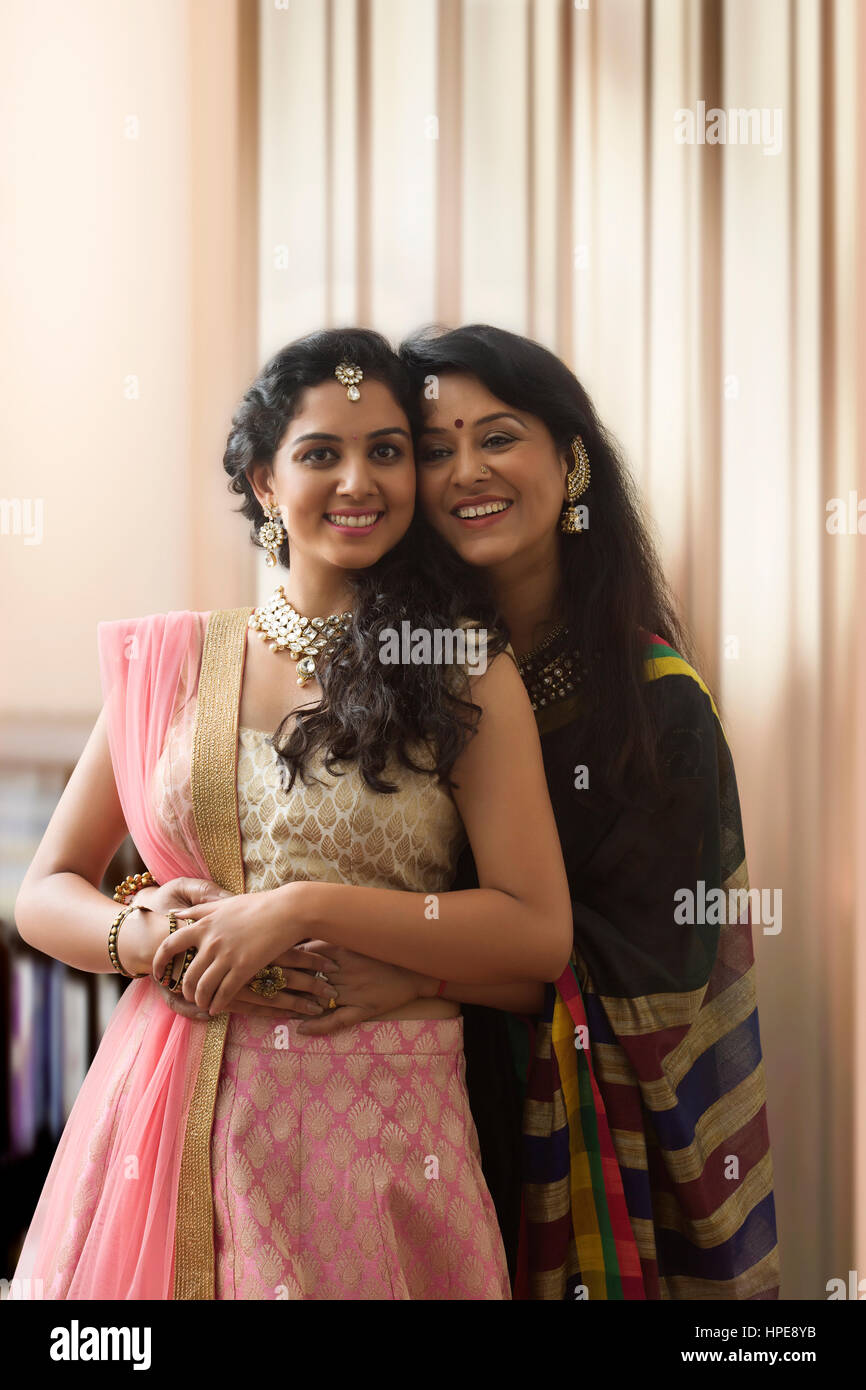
605, 1244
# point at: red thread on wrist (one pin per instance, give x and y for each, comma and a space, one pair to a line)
441, 989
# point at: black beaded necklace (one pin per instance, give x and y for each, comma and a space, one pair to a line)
551, 671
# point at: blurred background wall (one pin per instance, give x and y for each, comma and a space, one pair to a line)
189, 184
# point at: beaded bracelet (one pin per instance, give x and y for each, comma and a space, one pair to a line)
132, 883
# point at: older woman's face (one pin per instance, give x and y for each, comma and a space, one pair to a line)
511, 509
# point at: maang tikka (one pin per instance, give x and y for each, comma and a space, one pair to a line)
271, 533
577, 481
349, 376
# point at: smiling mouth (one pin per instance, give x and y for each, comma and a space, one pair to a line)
467, 513
353, 521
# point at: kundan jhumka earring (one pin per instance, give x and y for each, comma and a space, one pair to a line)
577, 481
271, 533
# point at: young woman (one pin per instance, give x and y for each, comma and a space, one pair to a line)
640, 1079
231, 1156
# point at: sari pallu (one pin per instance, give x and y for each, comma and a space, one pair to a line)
671, 1086
129, 1214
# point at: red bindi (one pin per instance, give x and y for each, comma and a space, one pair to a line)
458, 424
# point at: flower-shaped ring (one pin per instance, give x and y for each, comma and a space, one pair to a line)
268, 981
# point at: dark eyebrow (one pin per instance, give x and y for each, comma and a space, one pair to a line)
484, 420
338, 438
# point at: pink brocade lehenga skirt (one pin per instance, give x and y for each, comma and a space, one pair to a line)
348, 1166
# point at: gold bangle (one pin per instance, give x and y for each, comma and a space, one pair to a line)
166, 974
176, 986
112, 942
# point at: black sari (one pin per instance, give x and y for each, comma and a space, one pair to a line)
674, 1045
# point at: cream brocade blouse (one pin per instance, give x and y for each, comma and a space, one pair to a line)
334, 830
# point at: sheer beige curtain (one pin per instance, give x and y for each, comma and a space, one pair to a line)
516, 161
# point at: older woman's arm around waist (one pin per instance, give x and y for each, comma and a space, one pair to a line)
517, 925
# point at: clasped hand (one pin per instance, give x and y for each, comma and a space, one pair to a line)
367, 987
234, 936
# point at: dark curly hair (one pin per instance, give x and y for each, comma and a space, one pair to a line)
369, 712
613, 583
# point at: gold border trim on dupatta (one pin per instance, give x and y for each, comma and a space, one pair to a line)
214, 798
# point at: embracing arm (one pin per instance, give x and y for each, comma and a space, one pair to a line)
523, 997
516, 926
517, 997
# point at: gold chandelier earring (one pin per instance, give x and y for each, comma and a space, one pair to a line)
272, 533
576, 482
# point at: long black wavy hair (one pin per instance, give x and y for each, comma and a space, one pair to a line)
612, 581
369, 712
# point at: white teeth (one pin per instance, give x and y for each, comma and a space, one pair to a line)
485, 510
340, 520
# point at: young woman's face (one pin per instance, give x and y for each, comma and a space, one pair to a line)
489, 518
343, 476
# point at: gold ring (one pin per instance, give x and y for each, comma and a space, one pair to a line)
332, 1003
268, 981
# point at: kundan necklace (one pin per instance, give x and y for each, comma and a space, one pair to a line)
550, 671
306, 639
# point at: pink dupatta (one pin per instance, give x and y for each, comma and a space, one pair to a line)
104, 1227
